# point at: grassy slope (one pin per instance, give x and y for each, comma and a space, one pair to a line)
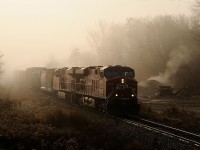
31, 120
173, 114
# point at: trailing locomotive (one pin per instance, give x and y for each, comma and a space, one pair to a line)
111, 89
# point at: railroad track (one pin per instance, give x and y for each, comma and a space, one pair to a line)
181, 135
178, 134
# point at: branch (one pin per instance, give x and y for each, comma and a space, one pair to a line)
196, 8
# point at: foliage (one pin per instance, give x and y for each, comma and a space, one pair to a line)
32, 121
174, 115
1, 63
196, 9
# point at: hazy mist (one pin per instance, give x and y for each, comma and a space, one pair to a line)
66, 33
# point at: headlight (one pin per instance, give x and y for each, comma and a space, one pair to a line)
116, 95
122, 81
132, 95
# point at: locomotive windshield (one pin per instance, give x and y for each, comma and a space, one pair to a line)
119, 73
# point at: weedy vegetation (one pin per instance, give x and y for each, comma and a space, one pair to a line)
34, 121
174, 115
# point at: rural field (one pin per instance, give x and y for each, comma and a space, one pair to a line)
181, 112
100, 75
30, 119
34, 120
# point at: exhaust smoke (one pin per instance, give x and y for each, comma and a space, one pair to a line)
177, 58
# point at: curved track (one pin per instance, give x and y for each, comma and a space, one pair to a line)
181, 135
178, 134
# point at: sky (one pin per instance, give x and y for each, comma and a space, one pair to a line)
33, 31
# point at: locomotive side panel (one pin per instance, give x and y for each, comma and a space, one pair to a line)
43, 81
69, 83
56, 83
102, 87
94, 83
47, 80
49, 77
88, 86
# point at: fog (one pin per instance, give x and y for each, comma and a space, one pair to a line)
57, 33
163, 48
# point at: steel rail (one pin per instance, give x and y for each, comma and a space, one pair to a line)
172, 132
166, 130
176, 130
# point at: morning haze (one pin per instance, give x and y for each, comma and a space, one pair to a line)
42, 32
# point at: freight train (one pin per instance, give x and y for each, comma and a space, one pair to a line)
111, 89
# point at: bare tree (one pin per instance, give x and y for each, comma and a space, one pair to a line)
196, 8
196, 16
108, 41
1, 63
161, 46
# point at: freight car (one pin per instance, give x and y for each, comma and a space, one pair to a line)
33, 77
109, 89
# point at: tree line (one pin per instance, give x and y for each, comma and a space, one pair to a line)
163, 48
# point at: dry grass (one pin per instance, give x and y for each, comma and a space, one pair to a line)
173, 115
63, 118
33, 121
